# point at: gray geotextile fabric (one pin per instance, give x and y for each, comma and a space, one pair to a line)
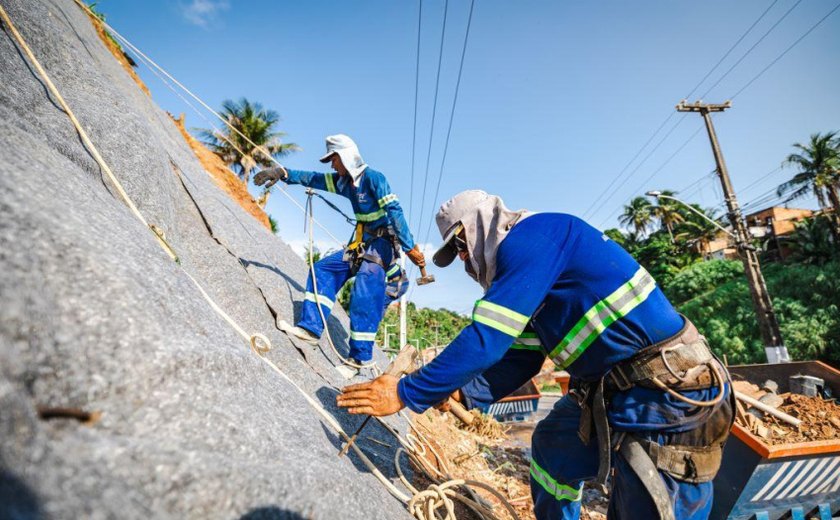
188, 422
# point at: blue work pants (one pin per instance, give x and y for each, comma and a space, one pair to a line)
561, 463
367, 298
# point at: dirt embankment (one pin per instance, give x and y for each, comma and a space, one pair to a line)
118, 53
222, 176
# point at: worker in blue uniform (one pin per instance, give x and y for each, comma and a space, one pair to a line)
648, 400
372, 255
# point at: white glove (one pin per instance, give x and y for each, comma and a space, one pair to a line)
270, 176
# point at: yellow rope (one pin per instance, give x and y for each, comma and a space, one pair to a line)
422, 505
158, 233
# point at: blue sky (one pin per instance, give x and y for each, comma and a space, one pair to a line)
556, 97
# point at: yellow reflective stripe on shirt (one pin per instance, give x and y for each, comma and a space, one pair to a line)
370, 217
500, 318
387, 199
554, 488
323, 300
603, 314
527, 341
330, 182
392, 271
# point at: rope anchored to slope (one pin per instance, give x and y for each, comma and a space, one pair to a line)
259, 343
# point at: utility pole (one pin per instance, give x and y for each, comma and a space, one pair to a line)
774, 348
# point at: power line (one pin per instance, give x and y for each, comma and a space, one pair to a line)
671, 115
416, 92
639, 152
669, 159
451, 115
780, 56
763, 36
434, 113
732, 48
639, 165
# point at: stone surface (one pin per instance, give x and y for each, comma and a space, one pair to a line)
96, 317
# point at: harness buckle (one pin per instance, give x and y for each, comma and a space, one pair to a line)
622, 384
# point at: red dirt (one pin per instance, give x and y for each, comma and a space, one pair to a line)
118, 53
820, 418
222, 176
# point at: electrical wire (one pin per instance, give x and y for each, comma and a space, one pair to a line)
589, 210
416, 95
451, 116
761, 39
780, 56
434, 113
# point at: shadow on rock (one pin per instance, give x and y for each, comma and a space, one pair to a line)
17, 500
374, 440
291, 281
271, 513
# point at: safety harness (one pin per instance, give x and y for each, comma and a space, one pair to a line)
681, 363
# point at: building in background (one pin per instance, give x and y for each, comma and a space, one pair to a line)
768, 226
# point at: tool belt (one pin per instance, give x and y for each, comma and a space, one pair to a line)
680, 363
357, 251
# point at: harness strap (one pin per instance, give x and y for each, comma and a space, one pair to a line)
644, 468
688, 463
602, 430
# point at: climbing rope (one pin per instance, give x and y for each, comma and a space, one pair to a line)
422, 503
310, 215
221, 118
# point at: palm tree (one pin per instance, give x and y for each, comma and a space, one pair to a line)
637, 214
668, 212
259, 126
811, 242
818, 162
695, 229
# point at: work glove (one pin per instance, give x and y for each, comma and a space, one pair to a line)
270, 176
378, 397
416, 257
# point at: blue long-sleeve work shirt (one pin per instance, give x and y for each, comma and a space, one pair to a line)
373, 202
562, 289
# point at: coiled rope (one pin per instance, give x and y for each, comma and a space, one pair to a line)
258, 343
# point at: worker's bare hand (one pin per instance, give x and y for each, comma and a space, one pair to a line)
378, 397
270, 176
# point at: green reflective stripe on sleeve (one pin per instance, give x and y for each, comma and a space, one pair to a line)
323, 300
392, 271
603, 314
555, 489
527, 341
328, 178
370, 217
362, 336
387, 199
500, 318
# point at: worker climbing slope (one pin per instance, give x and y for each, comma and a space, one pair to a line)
649, 399
372, 255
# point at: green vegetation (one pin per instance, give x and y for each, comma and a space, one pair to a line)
101, 16
429, 327
255, 123
715, 296
818, 163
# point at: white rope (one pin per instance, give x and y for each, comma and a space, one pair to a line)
221, 118
422, 505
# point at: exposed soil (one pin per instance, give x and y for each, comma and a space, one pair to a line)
483, 452
820, 418
222, 176
118, 53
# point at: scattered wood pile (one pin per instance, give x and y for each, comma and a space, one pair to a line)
820, 418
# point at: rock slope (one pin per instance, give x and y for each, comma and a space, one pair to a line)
188, 422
